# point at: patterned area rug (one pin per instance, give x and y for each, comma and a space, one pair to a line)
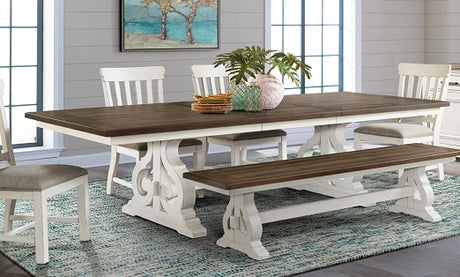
131, 246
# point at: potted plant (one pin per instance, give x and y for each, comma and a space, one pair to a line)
254, 64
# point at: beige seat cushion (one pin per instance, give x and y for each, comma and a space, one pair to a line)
255, 135
395, 130
37, 177
143, 146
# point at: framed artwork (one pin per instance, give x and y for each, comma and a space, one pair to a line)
169, 24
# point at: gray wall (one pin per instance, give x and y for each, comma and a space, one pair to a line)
92, 41
392, 32
442, 40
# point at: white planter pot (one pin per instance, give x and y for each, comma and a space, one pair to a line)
272, 90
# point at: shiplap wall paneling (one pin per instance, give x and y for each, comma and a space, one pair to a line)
392, 32
442, 35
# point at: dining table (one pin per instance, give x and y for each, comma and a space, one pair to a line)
159, 191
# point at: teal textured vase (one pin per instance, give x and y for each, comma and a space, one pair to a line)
238, 95
253, 100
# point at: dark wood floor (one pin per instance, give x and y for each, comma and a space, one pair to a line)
435, 259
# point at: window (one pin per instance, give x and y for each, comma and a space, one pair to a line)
21, 66
313, 31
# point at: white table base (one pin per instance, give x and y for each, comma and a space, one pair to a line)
330, 139
159, 192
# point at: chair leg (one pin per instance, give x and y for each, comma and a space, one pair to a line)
83, 211
10, 205
41, 228
197, 165
199, 155
282, 149
195, 158
235, 155
358, 145
113, 167
202, 154
441, 172
244, 154
357, 142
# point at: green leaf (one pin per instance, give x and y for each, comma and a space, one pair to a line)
251, 60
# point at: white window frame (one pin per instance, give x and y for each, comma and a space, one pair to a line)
53, 81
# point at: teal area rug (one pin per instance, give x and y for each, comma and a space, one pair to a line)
131, 246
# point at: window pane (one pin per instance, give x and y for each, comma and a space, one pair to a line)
276, 12
276, 38
24, 46
331, 70
331, 89
331, 40
331, 11
292, 36
5, 76
313, 12
24, 84
315, 63
313, 90
292, 12
4, 47
24, 13
23, 130
313, 40
4, 12
292, 91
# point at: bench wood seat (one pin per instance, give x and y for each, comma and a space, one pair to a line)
243, 223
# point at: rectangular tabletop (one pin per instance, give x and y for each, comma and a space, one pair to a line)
178, 117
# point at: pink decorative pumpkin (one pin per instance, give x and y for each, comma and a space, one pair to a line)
272, 90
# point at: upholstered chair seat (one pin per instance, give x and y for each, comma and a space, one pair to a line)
37, 177
396, 130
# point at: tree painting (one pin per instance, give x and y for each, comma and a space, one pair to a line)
165, 8
157, 24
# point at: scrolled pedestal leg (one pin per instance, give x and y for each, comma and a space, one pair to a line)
243, 227
420, 203
160, 194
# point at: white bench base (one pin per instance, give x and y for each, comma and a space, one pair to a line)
243, 223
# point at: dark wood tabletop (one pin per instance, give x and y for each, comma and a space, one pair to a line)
177, 116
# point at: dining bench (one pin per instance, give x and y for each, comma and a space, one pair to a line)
242, 222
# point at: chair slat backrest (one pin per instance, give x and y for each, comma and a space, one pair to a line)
121, 85
209, 80
6, 153
424, 81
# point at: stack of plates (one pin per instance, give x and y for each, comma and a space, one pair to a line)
220, 103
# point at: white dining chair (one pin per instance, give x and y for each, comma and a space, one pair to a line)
424, 81
37, 183
131, 86
209, 80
